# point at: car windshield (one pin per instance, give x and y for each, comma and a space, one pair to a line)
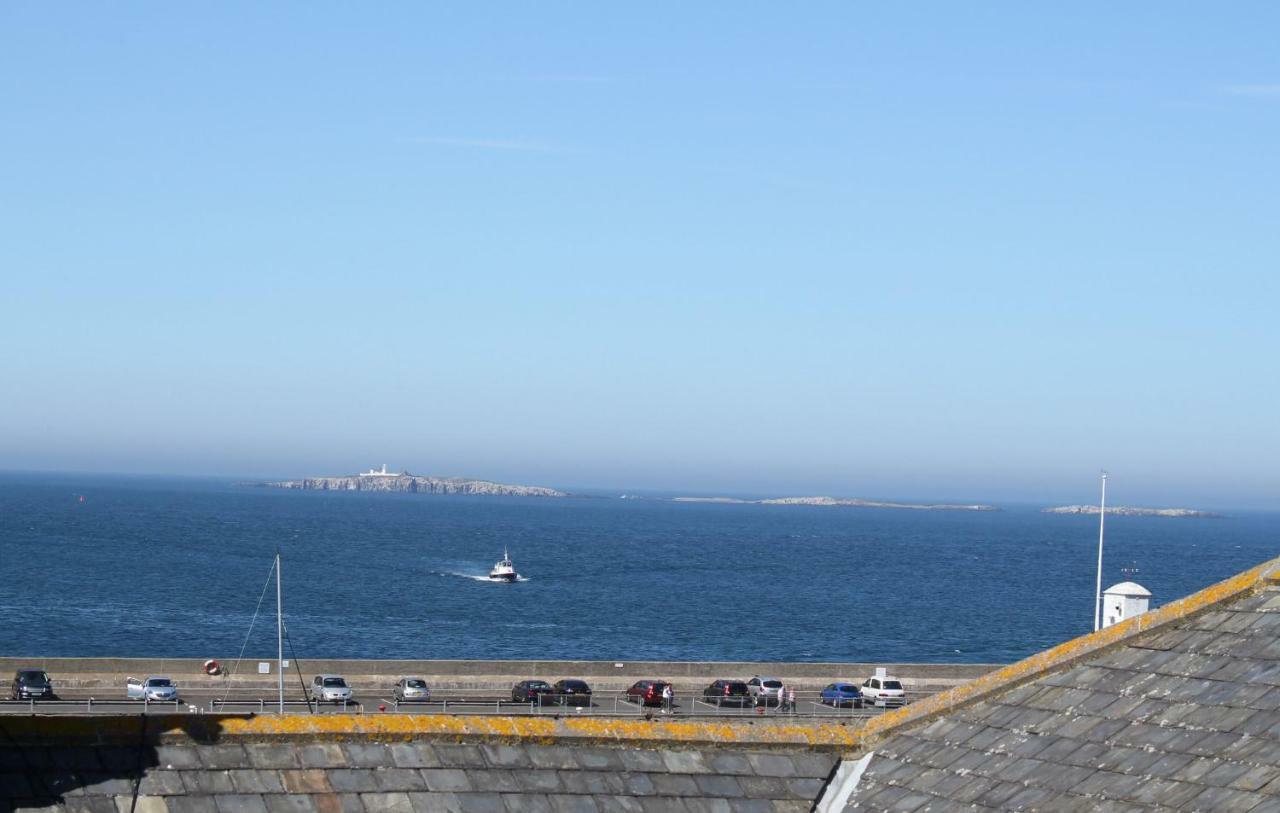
33, 677
537, 684
845, 687
416, 684
159, 682
335, 683
576, 685
892, 684
737, 688
772, 684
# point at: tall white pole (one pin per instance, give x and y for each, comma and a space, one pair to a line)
279, 634
1102, 520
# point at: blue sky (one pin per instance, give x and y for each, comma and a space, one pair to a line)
945, 250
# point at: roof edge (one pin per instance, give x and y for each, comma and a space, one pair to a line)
1072, 651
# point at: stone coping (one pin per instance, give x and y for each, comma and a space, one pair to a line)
656, 732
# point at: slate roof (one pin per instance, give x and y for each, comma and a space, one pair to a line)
408, 777
1185, 716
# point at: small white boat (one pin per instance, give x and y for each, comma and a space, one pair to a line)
504, 571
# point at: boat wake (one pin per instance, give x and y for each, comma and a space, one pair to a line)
476, 578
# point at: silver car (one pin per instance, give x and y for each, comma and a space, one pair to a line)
153, 688
411, 689
330, 689
765, 690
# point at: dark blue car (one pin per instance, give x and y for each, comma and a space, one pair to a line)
841, 695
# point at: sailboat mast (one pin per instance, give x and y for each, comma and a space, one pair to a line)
279, 633
1102, 520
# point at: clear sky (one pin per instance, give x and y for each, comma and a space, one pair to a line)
929, 250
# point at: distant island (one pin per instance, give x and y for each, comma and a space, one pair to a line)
405, 482
1130, 511
834, 501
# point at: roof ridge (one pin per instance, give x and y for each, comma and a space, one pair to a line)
1263, 576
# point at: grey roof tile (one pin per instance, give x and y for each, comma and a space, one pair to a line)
1257, 777
414, 755
639, 760
538, 781
492, 780
562, 803
601, 782
722, 786
445, 779
675, 784
272, 756
769, 765
367, 755
480, 803
1219, 798
459, 756
256, 782
240, 804
764, 787
387, 802
598, 759
435, 802
690, 761
505, 756
353, 780
556, 756
290, 803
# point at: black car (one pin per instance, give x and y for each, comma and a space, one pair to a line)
572, 692
527, 691
728, 693
31, 683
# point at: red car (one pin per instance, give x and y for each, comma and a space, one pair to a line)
647, 692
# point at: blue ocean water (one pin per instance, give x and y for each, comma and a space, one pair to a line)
175, 567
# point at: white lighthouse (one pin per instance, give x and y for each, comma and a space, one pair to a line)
1123, 601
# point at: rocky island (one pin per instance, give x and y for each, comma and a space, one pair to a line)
834, 501
1131, 511
415, 484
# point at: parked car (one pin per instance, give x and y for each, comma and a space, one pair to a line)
765, 690
411, 689
330, 689
528, 691
728, 693
842, 694
156, 687
572, 692
886, 691
31, 684
647, 692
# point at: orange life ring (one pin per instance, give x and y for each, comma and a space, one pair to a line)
212, 667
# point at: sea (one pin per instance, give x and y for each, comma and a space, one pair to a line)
179, 567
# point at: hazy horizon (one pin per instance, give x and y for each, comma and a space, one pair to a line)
1030, 497
940, 251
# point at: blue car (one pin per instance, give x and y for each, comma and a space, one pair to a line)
842, 694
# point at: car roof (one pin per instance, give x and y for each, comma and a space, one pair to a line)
328, 676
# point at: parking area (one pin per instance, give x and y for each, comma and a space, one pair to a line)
367, 700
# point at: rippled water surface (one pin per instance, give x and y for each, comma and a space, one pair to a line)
145, 567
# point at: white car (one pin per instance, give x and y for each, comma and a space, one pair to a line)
153, 688
765, 690
883, 691
330, 689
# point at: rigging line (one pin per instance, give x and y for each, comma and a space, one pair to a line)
298, 668
252, 621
